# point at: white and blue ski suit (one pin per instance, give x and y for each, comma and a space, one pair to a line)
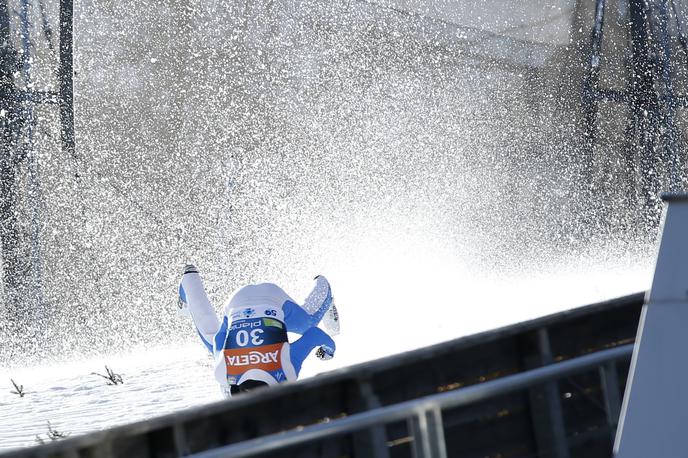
250, 341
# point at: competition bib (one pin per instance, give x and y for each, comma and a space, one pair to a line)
255, 343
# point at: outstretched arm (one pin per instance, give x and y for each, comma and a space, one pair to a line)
205, 319
299, 319
312, 338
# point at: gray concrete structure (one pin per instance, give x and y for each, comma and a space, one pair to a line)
654, 412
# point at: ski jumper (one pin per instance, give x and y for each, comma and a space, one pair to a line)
250, 341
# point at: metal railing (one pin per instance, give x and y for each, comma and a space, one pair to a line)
424, 415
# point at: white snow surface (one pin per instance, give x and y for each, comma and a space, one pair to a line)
75, 401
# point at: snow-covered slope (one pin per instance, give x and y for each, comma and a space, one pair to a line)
75, 401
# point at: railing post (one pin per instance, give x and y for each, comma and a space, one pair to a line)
371, 442
609, 379
180, 442
418, 430
427, 431
545, 404
438, 447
